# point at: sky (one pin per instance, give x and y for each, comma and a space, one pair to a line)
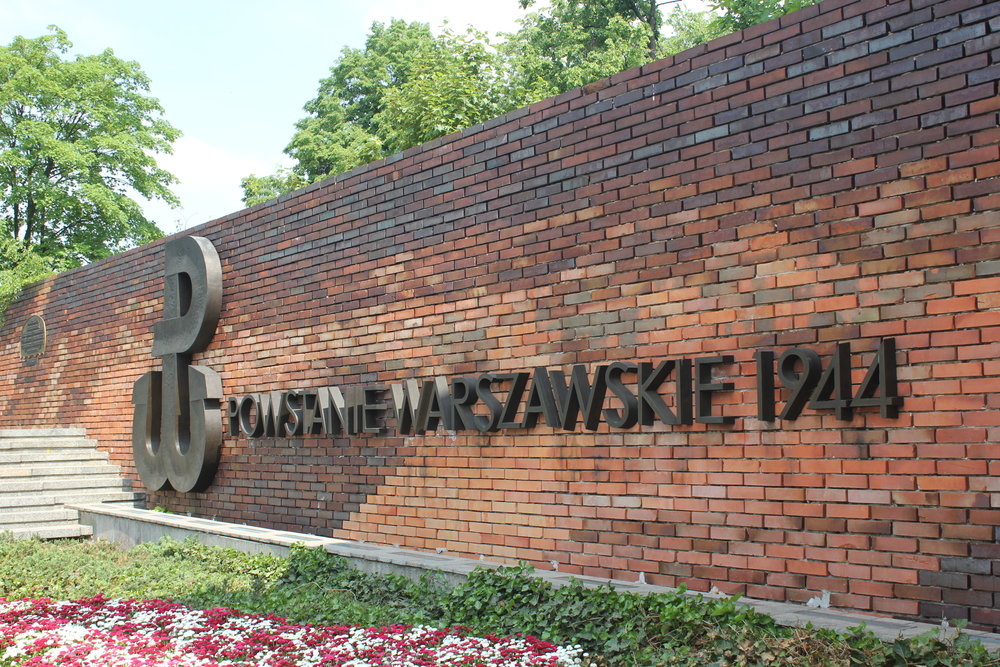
233, 75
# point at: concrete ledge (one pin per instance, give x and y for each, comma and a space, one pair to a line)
43, 433
130, 526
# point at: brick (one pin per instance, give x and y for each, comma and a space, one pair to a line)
966, 565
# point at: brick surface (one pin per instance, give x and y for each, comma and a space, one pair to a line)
829, 177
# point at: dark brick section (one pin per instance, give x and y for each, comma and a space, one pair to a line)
831, 176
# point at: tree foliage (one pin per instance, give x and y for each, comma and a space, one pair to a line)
736, 15
408, 86
20, 265
593, 24
555, 51
259, 189
461, 82
688, 29
341, 130
77, 139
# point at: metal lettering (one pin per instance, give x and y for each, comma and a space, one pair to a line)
463, 397
293, 408
540, 401
518, 381
651, 403
629, 414
487, 424
704, 388
189, 421
373, 409
579, 397
312, 413
405, 399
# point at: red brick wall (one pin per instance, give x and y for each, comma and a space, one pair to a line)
830, 177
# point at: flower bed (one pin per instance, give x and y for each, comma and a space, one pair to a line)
109, 633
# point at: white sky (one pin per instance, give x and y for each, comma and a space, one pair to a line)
233, 75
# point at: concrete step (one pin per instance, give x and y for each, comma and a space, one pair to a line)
43, 470
54, 454
25, 502
56, 469
51, 531
72, 432
44, 485
36, 516
45, 455
43, 443
6, 448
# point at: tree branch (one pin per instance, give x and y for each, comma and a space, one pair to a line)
30, 219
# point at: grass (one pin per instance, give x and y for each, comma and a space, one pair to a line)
622, 629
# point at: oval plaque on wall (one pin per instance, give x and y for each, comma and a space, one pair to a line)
33, 339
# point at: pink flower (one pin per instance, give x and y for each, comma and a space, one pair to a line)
130, 633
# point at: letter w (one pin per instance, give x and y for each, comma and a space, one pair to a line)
406, 398
273, 413
580, 395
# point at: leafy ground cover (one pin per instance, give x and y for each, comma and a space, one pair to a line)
312, 587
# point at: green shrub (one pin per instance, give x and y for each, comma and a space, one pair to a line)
73, 569
316, 587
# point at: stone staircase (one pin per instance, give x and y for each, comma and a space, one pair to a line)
43, 470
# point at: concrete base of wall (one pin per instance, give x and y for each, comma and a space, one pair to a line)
130, 526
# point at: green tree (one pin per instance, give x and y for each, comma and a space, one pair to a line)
360, 77
406, 86
463, 81
594, 16
19, 266
77, 139
259, 189
570, 43
341, 131
736, 15
327, 143
688, 29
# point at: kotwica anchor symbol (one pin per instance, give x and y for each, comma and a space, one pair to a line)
177, 420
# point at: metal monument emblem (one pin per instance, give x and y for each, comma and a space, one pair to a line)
33, 339
177, 420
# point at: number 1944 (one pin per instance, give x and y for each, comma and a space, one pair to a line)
801, 371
